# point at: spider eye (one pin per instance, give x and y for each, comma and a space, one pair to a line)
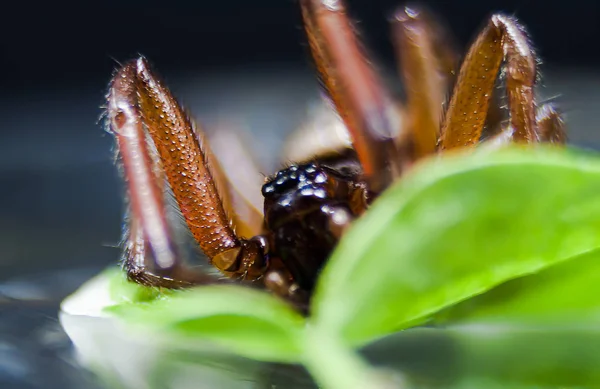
267, 189
293, 178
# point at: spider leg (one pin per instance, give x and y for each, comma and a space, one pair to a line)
239, 174
279, 281
149, 235
502, 39
428, 64
138, 105
140, 267
321, 134
370, 114
550, 124
503, 137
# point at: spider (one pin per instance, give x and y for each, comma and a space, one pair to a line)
309, 204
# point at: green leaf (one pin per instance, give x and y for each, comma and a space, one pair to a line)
565, 293
244, 321
454, 228
121, 290
495, 356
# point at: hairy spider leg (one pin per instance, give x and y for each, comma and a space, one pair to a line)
550, 124
150, 256
501, 40
140, 104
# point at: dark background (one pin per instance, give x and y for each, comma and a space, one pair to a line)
73, 44
61, 197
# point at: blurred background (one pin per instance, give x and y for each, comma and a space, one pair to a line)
242, 61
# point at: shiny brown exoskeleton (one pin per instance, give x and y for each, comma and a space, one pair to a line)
308, 205
306, 209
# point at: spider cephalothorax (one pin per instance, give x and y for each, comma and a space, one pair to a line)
306, 208
308, 205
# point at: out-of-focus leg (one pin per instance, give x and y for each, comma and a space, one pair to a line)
323, 134
501, 40
367, 109
503, 138
240, 176
428, 62
551, 126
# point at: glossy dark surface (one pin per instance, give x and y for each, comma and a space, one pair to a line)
296, 202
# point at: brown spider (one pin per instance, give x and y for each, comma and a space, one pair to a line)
307, 206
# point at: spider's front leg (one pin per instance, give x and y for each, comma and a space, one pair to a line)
139, 105
502, 40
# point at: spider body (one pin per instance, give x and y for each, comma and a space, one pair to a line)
308, 205
306, 208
